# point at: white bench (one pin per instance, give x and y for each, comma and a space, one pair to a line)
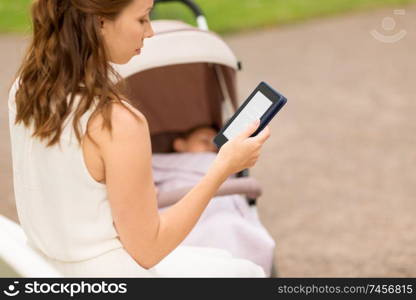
17, 259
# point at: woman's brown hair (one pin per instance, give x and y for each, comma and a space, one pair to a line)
67, 57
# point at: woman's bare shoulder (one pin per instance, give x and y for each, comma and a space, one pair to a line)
125, 107
126, 120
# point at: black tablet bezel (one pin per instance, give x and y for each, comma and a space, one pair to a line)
267, 91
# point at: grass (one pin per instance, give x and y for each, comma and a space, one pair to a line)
14, 15
224, 16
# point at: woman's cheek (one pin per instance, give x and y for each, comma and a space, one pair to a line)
139, 33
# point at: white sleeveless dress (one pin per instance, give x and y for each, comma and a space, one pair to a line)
66, 216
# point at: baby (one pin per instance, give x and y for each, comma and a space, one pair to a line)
195, 152
228, 222
198, 139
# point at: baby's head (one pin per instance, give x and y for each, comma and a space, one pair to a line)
198, 139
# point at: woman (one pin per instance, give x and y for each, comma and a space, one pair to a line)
82, 154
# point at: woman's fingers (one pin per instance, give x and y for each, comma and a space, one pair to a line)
263, 135
249, 130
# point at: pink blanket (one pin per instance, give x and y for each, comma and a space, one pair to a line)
228, 222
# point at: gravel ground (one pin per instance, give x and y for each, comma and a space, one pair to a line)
338, 171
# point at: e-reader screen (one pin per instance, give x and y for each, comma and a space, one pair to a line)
256, 108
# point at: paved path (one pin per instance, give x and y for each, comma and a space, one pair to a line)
12, 49
338, 172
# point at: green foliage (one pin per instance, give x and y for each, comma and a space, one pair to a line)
236, 15
223, 15
14, 15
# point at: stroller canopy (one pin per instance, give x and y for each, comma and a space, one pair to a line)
176, 42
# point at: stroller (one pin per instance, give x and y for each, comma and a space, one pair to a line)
185, 77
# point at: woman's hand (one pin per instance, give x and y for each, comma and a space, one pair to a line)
242, 151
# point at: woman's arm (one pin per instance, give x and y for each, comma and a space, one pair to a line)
126, 153
178, 220
248, 186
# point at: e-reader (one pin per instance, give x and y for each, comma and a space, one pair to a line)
263, 103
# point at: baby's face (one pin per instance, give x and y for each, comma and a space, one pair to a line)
200, 141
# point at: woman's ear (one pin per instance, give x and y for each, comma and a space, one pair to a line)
101, 22
179, 145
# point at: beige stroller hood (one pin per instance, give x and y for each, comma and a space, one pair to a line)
184, 77
176, 42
